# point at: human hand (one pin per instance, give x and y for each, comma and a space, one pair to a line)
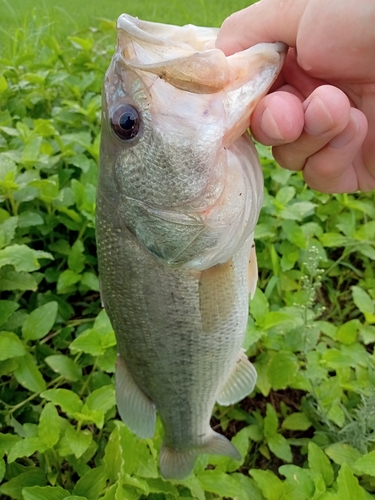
320, 114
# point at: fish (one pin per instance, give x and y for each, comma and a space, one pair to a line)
180, 189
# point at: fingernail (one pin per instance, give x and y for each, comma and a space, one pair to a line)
318, 120
269, 125
346, 136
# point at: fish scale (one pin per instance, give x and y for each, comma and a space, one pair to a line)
179, 194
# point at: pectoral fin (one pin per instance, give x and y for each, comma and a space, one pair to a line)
135, 408
240, 383
216, 295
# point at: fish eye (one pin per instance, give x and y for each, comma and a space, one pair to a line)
125, 122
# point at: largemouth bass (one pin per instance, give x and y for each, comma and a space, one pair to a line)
179, 194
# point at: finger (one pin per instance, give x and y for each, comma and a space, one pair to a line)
264, 21
327, 113
278, 118
333, 169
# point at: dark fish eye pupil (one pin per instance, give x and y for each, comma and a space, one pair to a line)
125, 122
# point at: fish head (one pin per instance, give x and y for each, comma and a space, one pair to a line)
174, 111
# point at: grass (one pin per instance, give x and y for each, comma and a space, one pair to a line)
308, 430
64, 18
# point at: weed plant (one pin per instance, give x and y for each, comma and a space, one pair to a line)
308, 430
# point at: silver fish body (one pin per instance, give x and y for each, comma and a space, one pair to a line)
179, 194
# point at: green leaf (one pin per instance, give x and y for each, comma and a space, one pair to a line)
299, 478
296, 422
24, 448
40, 321
102, 399
366, 232
113, 457
14, 487
342, 453
28, 375
78, 441
92, 484
319, 462
22, 257
90, 342
258, 305
365, 464
270, 485
64, 366
280, 447
10, 346
76, 259
347, 332
67, 279
13, 280
49, 425
271, 422
68, 401
45, 493
220, 483
348, 487
364, 303
333, 240
2, 469
7, 308
282, 368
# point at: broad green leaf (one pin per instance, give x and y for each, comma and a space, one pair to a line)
366, 231
76, 259
319, 462
252, 492
299, 478
347, 332
3, 84
67, 279
68, 401
29, 218
49, 425
363, 300
270, 485
90, 342
10, 346
7, 308
274, 318
102, 399
158, 485
14, 280
44, 493
90, 280
79, 441
365, 464
40, 321
333, 240
348, 487
2, 469
25, 448
64, 366
7, 441
342, 453
282, 368
14, 487
296, 422
220, 483
7, 231
22, 257
258, 305
92, 484
28, 375
280, 447
271, 421
113, 456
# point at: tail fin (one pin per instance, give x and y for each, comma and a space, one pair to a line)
177, 464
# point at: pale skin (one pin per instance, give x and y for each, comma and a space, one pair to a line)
320, 114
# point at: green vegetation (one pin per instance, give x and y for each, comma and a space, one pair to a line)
308, 431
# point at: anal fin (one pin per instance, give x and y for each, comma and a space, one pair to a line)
135, 408
240, 383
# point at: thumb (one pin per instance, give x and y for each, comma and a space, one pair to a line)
264, 21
